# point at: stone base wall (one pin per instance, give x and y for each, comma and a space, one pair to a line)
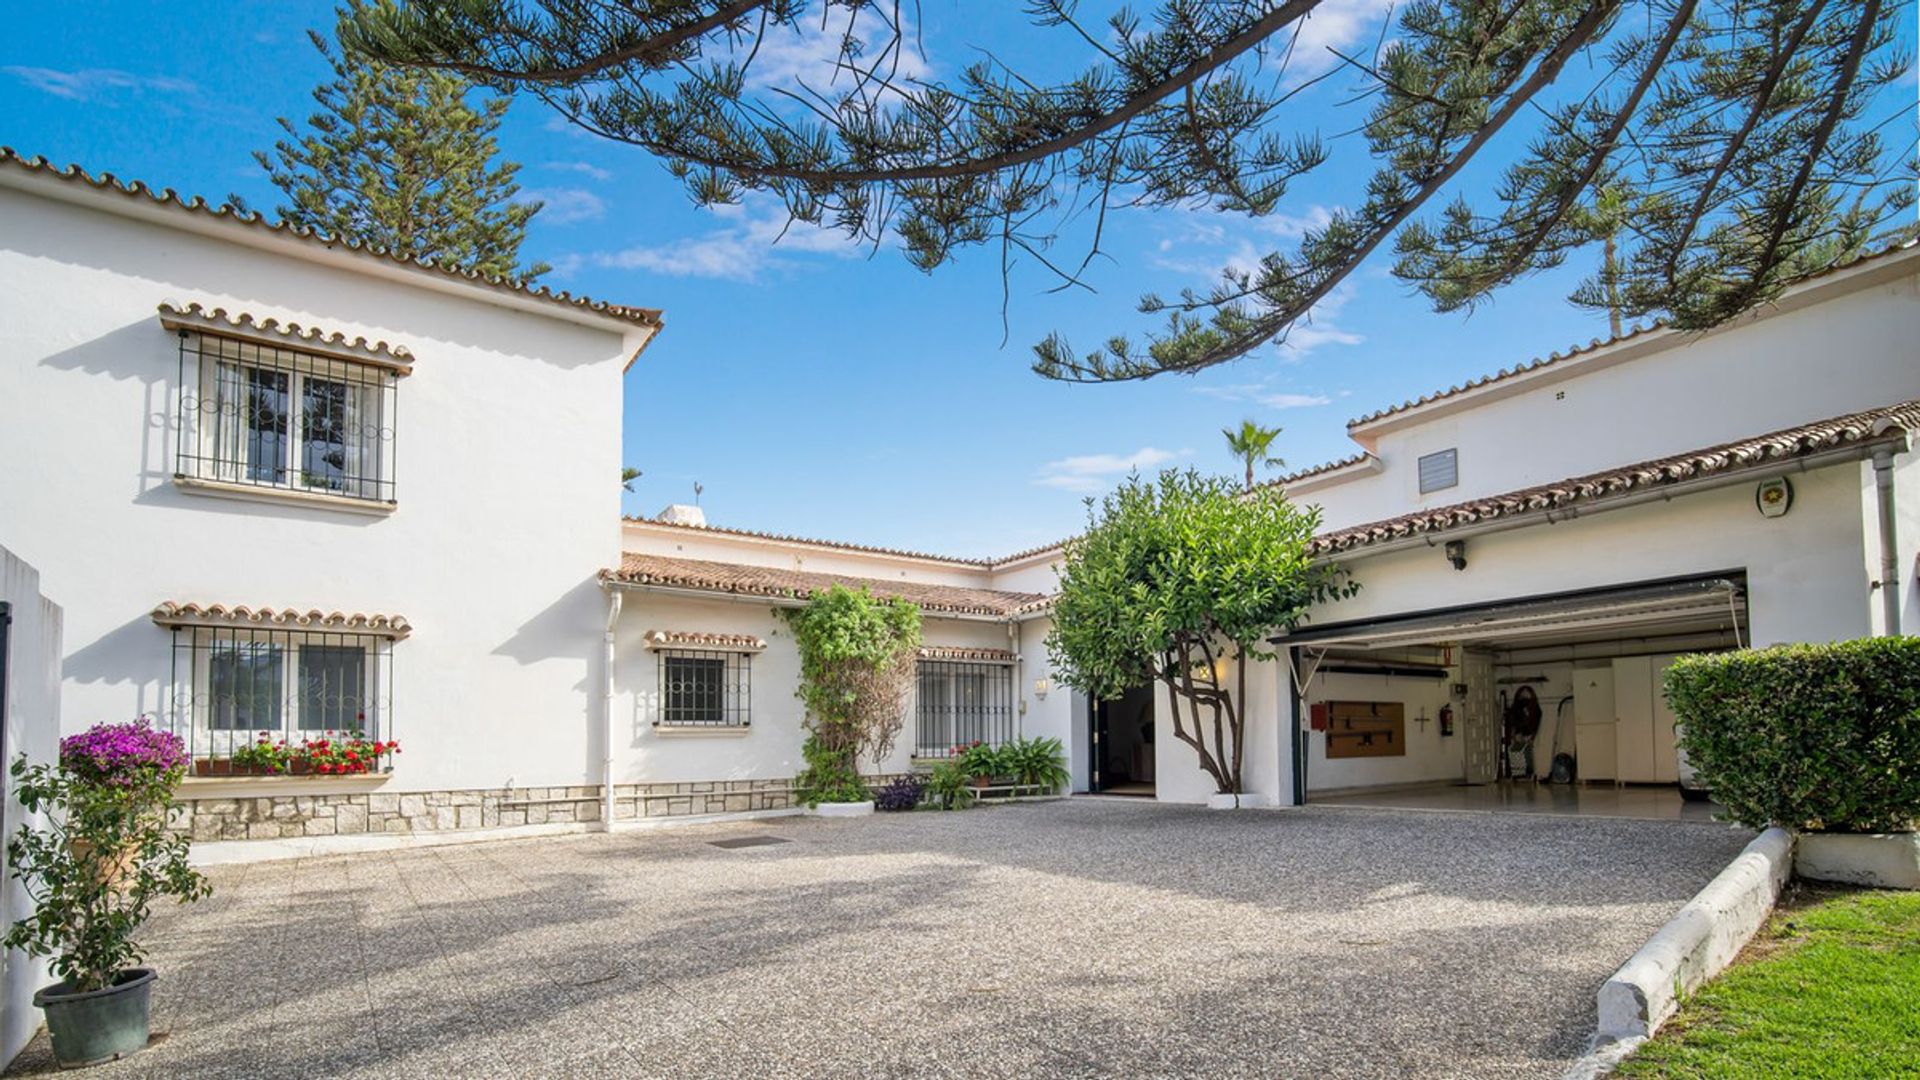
634, 801
272, 817
275, 817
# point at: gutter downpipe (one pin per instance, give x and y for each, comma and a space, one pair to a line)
1295, 739
1890, 585
606, 760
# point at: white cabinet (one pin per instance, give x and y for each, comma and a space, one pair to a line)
1595, 756
1644, 732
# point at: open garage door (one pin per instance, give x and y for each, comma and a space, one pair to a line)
1667, 608
1492, 695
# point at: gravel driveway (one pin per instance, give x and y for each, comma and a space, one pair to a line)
1076, 938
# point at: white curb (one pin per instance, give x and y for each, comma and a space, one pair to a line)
1699, 941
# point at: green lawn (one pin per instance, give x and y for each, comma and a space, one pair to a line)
1829, 988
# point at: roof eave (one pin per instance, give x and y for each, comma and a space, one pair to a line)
1866, 272
1894, 436
168, 209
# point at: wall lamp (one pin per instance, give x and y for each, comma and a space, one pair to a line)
1457, 554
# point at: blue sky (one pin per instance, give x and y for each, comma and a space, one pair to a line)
812, 387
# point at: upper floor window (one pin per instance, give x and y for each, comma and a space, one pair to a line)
275, 418
1439, 471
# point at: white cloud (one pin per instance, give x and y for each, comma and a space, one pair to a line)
755, 236
1293, 401
88, 84
809, 51
1343, 25
1317, 328
564, 206
1097, 472
584, 168
1263, 393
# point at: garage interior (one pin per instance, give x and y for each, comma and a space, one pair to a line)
1545, 704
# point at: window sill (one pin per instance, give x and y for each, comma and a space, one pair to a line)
216, 787
224, 489
681, 731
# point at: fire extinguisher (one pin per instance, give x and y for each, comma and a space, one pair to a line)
1446, 720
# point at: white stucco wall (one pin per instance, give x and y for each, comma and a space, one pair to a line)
683, 542
1839, 346
508, 441
770, 747
32, 729
1805, 575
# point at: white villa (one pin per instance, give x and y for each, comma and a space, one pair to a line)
282, 484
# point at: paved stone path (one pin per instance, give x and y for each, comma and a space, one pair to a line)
1078, 938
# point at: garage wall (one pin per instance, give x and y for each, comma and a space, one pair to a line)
1654, 395
1430, 756
1558, 687
1805, 572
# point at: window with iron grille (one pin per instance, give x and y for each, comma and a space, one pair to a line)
268, 417
232, 685
961, 703
704, 688
1439, 471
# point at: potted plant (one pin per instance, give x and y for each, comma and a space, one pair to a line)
1036, 763
949, 786
981, 763
856, 672
1823, 740
263, 757
93, 865
348, 754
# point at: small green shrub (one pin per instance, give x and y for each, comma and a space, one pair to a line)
981, 762
1036, 762
949, 785
1820, 737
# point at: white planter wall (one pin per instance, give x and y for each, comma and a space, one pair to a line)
33, 729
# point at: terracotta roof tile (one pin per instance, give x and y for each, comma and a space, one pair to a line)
961, 652
697, 639
195, 316
194, 204
1762, 450
839, 545
704, 575
1578, 350
172, 614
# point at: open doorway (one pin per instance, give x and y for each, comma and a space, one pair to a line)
1123, 744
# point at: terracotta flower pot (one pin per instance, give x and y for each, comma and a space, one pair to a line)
109, 871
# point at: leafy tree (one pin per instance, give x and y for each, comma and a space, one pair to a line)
856, 670
1253, 445
1180, 581
1742, 137
397, 158
628, 474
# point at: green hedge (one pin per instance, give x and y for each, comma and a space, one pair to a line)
1807, 736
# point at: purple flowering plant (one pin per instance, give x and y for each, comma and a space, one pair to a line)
125, 755
96, 851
